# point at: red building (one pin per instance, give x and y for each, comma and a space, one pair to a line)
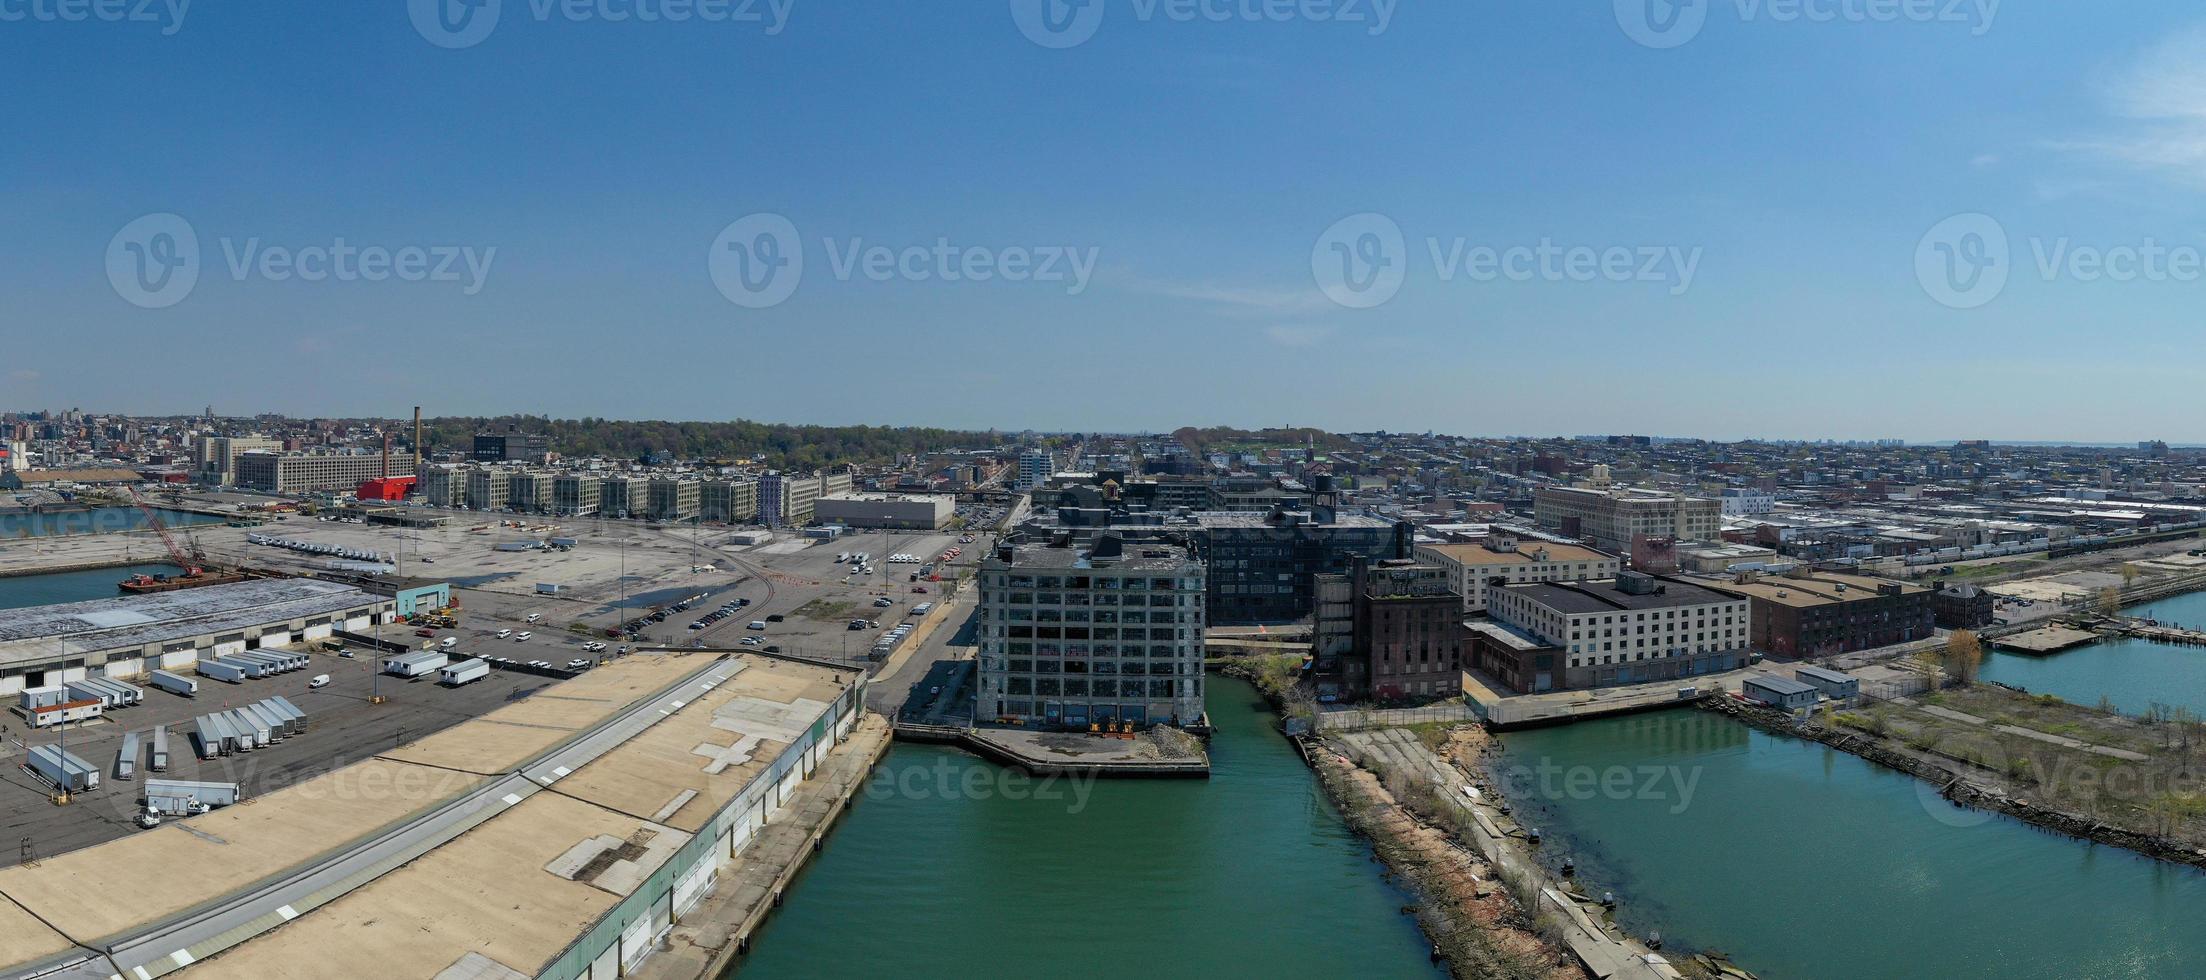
389, 489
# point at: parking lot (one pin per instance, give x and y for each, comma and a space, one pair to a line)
343, 727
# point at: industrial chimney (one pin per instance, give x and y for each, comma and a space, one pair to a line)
421, 455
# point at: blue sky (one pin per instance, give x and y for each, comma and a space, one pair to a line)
1802, 167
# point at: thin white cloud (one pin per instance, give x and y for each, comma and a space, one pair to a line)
1297, 335
1250, 300
2162, 98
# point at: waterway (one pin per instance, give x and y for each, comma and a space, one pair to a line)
1806, 863
19, 591
950, 866
2131, 674
98, 520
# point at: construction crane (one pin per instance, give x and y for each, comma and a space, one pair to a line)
191, 563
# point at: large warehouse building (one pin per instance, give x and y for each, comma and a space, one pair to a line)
562, 836
909, 512
128, 636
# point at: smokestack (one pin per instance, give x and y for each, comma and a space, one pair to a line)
386, 454
421, 455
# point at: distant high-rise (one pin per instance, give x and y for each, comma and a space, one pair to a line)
1035, 468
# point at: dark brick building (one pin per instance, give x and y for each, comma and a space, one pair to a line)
1826, 614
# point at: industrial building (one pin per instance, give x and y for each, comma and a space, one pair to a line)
1507, 559
1263, 567
1826, 613
914, 512
133, 635
1779, 692
1635, 629
214, 458
559, 837
1403, 639
1610, 519
1072, 637
315, 472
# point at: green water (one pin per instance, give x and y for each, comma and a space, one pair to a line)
2133, 674
1248, 874
1808, 863
44, 590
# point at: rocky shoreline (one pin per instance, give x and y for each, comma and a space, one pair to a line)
1956, 786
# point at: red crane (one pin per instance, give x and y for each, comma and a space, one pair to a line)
188, 562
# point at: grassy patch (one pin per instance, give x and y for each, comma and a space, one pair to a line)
827, 610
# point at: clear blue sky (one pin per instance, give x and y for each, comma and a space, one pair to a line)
1803, 163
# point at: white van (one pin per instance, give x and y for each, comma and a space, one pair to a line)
502, 634
320, 680
535, 617
451, 641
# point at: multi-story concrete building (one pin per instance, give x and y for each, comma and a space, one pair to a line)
576, 495
923, 512
673, 499
489, 488
531, 492
773, 500
1611, 519
1635, 628
1035, 468
1263, 567
1404, 631
313, 472
1507, 559
1743, 502
1825, 614
618, 497
214, 458
445, 486
728, 501
512, 446
1072, 637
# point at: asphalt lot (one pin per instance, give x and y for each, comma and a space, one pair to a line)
343, 727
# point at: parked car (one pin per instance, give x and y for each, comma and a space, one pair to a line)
523, 636
757, 624
502, 634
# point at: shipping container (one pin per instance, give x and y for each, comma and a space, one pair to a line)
126, 757
221, 671
463, 673
295, 710
174, 683
62, 769
160, 760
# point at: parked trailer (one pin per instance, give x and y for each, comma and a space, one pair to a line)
250, 727
160, 760
293, 722
208, 736
62, 769
84, 691
294, 709
181, 798
235, 736
132, 693
176, 684
415, 664
260, 664
126, 757
222, 671
463, 673
279, 728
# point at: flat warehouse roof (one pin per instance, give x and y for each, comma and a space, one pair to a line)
133, 621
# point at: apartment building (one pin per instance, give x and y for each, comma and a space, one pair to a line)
1744, 502
314, 472
1610, 519
214, 458
1035, 468
1635, 628
1508, 559
1071, 637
